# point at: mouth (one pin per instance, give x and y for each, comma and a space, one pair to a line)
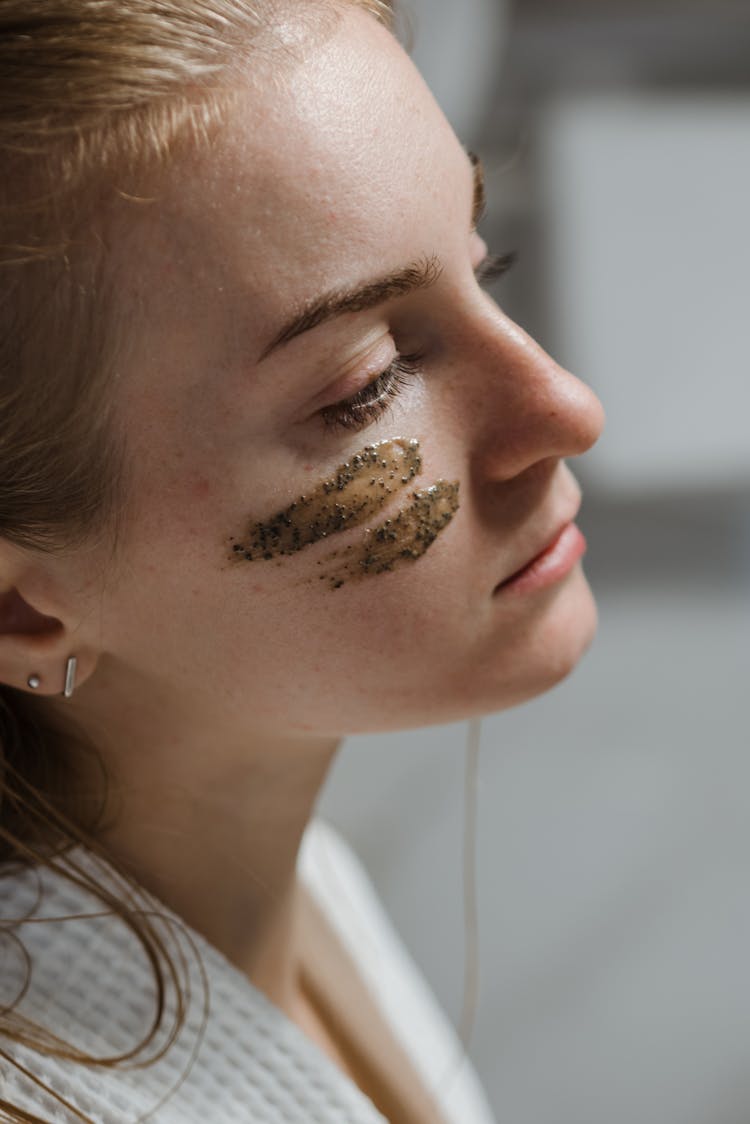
552, 563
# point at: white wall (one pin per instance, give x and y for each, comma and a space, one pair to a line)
458, 48
645, 204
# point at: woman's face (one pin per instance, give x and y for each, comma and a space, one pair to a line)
307, 329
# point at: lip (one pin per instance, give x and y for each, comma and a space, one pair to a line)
550, 565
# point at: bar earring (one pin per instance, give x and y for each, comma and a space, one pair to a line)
70, 677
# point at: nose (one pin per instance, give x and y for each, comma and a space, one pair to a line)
527, 408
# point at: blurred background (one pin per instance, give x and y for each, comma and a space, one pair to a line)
614, 813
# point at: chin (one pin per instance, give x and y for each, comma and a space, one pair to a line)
550, 644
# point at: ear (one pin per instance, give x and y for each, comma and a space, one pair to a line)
39, 625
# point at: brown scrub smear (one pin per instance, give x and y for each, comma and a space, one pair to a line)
359, 489
402, 539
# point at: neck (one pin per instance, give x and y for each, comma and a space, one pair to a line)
209, 818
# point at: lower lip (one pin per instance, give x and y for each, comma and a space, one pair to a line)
550, 566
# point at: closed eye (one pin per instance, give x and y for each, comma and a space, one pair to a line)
373, 401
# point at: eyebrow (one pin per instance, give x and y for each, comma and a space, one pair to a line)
412, 278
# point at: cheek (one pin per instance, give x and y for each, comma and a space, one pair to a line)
372, 514
202, 490
346, 658
380, 639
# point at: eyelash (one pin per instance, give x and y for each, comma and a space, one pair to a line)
375, 399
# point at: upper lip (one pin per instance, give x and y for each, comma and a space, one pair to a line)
545, 544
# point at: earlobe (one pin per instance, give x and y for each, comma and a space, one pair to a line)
34, 648
34, 681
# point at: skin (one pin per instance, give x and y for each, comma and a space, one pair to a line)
218, 692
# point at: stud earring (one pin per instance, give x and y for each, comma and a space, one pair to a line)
70, 677
34, 681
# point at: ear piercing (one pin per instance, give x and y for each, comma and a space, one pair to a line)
35, 681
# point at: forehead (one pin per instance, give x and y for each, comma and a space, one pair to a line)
320, 164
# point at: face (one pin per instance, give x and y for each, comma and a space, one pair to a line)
341, 449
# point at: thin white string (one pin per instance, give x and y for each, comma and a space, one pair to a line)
470, 903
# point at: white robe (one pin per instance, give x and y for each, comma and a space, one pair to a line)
242, 1061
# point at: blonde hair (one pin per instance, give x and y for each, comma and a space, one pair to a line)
92, 94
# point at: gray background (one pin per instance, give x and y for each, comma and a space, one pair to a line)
614, 813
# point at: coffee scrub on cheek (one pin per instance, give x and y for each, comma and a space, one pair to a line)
359, 490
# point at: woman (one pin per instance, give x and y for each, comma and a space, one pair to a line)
274, 469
